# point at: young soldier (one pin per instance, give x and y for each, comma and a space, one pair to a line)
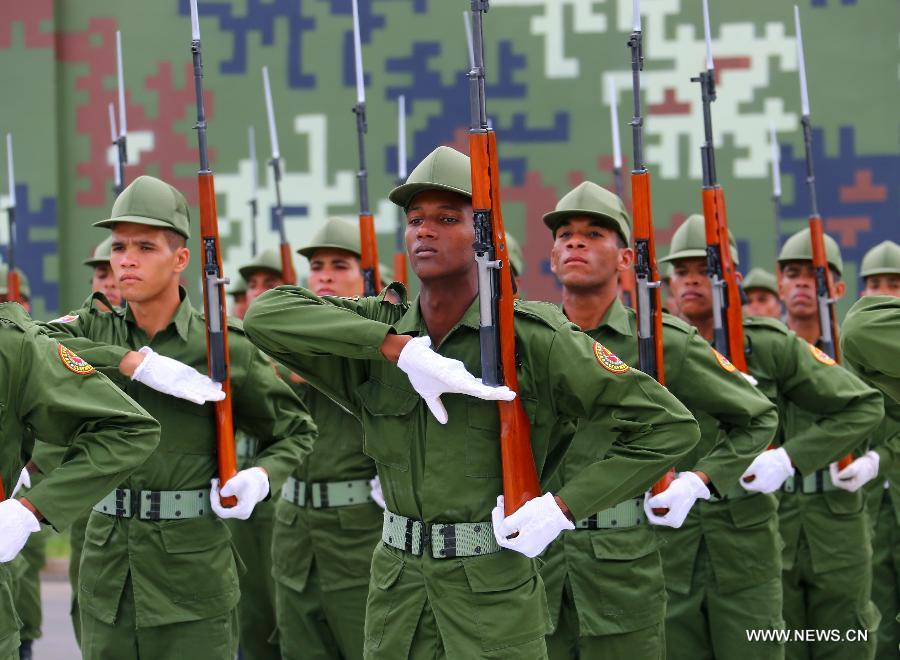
605, 579
326, 523
869, 342
880, 270
238, 292
761, 288
440, 472
102, 278
158, 576
53, 393
726, 578
828, 553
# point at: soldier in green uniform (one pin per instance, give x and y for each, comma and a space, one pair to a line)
828, 553
869, 342
102, 277
761, 288
605, 579
326, 523
441, 585
54, 394
723, 569
158, 576
238, 292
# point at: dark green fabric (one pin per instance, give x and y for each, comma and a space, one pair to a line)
869, 342
885, 569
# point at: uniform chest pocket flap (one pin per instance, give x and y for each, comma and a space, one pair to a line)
483, 436
388, 415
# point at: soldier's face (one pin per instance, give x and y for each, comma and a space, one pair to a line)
239, 306
104, 281
261, 281
691, 288
146, 262
797, 289
761, 302
887, 284
439, 235
335, 272
587, 255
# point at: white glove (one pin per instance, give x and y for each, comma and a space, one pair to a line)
377, 495
23, 482
16, 524
678, 498
749, 378
250, 486
174, 378
535, 525
860, 472
768, 471
432, 374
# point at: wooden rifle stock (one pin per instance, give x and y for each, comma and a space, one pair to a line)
288, 274
13, 286
368, 258
400, 274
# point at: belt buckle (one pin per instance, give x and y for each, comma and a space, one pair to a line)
155, 498
120, 503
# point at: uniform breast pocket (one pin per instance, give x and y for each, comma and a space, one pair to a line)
483, 436
388, 417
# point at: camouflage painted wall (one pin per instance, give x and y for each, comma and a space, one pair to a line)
548, 61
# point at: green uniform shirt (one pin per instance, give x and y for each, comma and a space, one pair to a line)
107, 435
870, 342
182, 570
886, 443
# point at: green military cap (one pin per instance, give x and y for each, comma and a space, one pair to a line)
516, 256
101, 254
335, 234
589, 199
149, 201
267, 260
759, 278
238, 286
689, 241
799, 248
882, 259
24, 287
442, 169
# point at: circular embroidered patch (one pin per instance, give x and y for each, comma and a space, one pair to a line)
609, 360
74, 363
821, 355
723, 361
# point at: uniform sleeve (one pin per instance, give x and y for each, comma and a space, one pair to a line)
886, 441
74, 330
706, 382
108, 434
844, 410
267, 408
653, 429
870, 343
328, 341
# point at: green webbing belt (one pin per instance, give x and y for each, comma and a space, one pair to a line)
629, 513
326, 494
817, 482
157, 504
245, 446
447, 540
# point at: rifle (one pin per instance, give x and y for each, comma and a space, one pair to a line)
825, 297
213, 280
646, 273
120, 140
368, 245
287, 263
626, 278
728, 322
254, 187
400, 247
495, 287
13, 281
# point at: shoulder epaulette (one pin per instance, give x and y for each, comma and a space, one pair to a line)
675, 322
766, 322
545, 312
13, 315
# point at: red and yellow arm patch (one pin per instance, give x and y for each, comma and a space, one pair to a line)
609, 360
821, 356
723, 361
74, 363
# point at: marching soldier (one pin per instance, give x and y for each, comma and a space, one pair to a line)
443, 579
761, 288
828, 553
158, 576
238, 293
102, 277
605, 579
869, 342
53, 393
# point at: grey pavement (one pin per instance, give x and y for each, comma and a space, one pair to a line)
58, 641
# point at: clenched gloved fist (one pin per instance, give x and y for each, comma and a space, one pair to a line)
678, 498
249, 486
377, 495
176, 379
432, 374
860, 472
17, 523
533, 527
768, 471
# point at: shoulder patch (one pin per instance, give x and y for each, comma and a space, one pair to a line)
723, 361
821, 356
609, 360
68, 318
74, 363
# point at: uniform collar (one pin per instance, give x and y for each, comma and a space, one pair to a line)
616, 319
182, 318
412, 323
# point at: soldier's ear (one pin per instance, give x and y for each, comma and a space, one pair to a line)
182, 259
626, 258
840, 288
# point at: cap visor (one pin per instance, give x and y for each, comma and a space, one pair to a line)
403, 195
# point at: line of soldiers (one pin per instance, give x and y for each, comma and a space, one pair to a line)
366, 523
